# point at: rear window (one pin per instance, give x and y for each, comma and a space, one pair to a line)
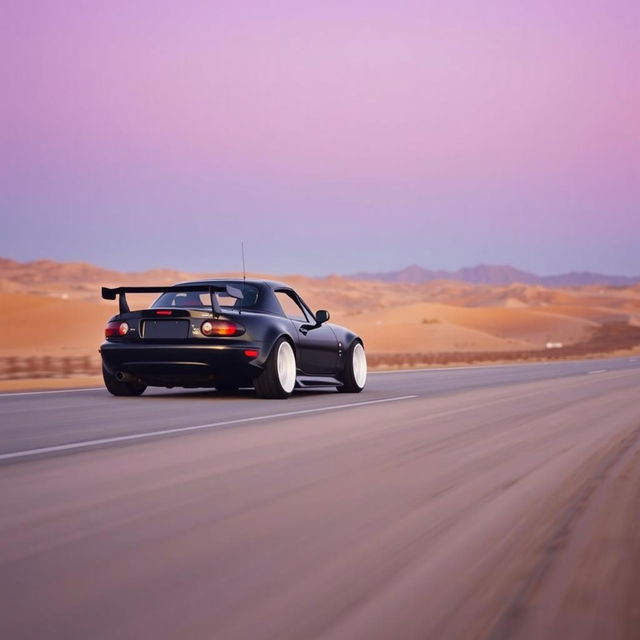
195, 300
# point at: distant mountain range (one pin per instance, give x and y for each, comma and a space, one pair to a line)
496, 275
41, 272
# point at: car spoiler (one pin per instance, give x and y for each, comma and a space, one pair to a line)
211, 289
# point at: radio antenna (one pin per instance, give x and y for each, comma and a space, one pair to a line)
244, 271
244, 276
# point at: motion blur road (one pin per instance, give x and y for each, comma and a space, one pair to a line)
484, 502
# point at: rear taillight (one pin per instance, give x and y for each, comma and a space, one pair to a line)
116, 329
221, 328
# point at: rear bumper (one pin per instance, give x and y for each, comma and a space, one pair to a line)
181, 365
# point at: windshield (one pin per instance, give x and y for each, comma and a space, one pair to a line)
195, 300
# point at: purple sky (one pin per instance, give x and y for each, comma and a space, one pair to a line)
331, 136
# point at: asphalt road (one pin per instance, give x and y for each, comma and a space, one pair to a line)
486, 502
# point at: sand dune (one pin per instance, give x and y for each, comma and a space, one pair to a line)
48, 326
437, 327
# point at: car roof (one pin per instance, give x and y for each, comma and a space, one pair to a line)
272, 284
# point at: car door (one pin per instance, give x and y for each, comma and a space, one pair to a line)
317, 348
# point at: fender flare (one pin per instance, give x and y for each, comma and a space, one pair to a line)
270, 339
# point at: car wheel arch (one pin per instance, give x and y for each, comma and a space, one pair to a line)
273, 339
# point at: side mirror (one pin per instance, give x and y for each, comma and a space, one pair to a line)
321, 317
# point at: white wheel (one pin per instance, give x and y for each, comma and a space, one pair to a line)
355, 369
359, 365
278, 378
286, 364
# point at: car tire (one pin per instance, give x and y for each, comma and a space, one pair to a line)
354, 376
117, 388
278, 378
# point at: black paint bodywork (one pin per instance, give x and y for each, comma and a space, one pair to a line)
200, 361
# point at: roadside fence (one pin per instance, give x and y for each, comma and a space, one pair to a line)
14, 368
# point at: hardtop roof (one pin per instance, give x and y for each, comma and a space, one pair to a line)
272, 284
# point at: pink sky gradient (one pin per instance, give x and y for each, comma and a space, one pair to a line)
332, 136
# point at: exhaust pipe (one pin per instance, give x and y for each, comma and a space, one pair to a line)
123, 376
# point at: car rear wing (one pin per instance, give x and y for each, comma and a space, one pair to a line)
211, 289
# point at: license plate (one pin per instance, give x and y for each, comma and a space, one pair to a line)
165, 329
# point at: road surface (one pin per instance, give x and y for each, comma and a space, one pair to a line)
486, 502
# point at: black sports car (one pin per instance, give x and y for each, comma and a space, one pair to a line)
228, 334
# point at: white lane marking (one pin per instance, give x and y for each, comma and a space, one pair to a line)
597, 371
32, 393
473, 367
469, 367
151, 434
